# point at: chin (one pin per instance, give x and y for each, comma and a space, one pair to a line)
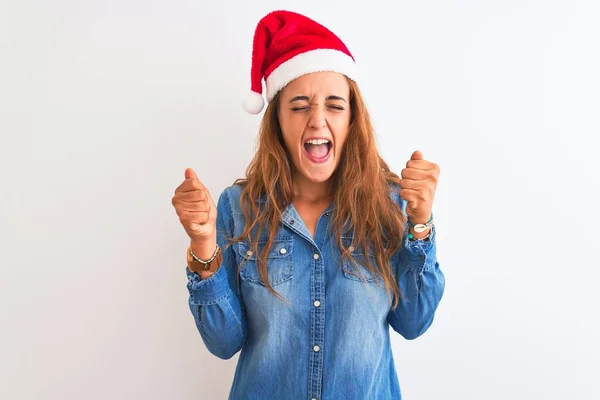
318, 174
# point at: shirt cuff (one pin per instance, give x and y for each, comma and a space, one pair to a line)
207, 291
419, 254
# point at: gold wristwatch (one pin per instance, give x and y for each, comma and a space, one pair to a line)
197, 265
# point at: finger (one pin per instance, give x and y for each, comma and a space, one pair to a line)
192, 184
423, 165
202, 206
190, 173
190, 176
415, 174
416, 155
413, 184
182, 200
411, 195
194, 217
193, 196
189, 185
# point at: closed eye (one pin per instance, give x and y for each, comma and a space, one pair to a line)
333, 107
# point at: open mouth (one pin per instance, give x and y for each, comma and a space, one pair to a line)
318, 150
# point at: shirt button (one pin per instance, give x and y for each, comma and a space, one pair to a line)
313, 399
291, 221
327, 214
317, 303
249, 253
316, 348
351, 248
316, 256
283, 250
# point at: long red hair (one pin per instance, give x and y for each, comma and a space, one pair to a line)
361, 186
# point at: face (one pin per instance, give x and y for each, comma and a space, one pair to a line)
314, 115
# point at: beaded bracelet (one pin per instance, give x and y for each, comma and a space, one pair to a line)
420, 228
207, 261
411, 238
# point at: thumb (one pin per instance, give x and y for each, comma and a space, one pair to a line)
189, 173
416, 155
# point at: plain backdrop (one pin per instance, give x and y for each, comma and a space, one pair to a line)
103, 104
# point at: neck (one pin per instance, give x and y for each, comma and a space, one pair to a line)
310, 191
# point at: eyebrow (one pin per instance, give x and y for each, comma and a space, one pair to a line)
305, 98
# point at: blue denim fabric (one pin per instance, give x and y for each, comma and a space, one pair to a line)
337, 348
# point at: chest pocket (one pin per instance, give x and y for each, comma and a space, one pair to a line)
358, 271
279, 262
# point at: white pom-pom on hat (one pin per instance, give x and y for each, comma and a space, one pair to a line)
253, 103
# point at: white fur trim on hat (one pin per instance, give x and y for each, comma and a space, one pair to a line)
319, 60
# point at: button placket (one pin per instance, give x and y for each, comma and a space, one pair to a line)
317, 324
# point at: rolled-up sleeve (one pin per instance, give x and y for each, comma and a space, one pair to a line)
215, 302
421, 283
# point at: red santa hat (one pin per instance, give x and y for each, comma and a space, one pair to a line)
288, 45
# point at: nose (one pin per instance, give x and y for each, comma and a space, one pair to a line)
317, 118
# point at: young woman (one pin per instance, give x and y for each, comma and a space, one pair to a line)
306, 263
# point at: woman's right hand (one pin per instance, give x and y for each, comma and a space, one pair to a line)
197, 213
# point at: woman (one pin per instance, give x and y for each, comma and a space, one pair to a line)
306, 263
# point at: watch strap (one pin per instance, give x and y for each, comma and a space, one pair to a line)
197, 266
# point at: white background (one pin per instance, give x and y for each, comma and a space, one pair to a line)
104, 104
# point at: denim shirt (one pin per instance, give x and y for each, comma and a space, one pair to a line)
332, 339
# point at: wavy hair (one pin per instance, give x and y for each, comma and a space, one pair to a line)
361, 186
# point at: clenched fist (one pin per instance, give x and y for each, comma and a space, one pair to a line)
196, 210
418, 187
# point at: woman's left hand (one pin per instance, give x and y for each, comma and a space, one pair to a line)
418, 185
